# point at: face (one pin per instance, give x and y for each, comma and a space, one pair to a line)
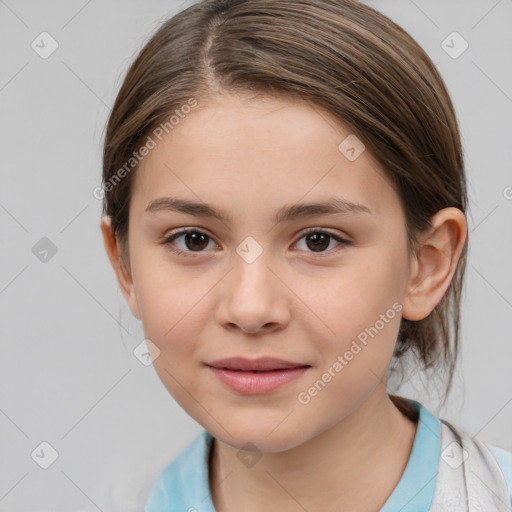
319, 289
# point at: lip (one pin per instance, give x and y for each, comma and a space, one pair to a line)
256, 376
260, 364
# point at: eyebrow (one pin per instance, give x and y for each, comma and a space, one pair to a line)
332, 206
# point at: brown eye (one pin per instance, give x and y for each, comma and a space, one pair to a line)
192, 241
195, 241
318, 241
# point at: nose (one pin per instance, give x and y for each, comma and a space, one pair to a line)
254, 298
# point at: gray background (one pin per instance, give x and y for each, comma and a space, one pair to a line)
68, 375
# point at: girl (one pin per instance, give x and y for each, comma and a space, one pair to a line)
284, 209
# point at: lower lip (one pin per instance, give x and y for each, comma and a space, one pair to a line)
256, 383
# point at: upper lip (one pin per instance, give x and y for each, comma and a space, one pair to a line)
260, 364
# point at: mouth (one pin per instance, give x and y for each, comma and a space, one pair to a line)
257, 376
263, 364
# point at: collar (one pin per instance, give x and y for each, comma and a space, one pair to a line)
415, 490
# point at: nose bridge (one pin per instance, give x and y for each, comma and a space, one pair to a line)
251, 275
255, 297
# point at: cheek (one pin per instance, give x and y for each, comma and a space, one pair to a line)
357, 295
174, 312
166, 296
362, 310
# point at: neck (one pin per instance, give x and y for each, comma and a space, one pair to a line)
369, 449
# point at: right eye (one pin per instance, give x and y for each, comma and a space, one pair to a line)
193, 241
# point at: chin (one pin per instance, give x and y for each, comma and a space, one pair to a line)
265, 436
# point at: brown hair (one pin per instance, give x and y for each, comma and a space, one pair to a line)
338, 55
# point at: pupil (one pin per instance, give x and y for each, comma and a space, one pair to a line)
319, 240
192, 241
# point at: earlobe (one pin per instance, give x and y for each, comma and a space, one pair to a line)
123, 274
434, 263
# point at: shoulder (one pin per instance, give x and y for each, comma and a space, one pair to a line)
504, 460
183, 480
491, 460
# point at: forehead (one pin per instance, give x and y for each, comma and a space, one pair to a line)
244, 153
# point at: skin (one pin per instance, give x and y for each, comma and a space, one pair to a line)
250, 156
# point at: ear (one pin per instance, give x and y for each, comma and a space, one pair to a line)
123, 275
434, 263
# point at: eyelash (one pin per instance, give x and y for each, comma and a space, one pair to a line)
167, 241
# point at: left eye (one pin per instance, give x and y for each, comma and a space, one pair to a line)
317, 240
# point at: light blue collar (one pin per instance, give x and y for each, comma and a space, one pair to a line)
415, 490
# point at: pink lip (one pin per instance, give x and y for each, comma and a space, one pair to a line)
257, 376
260, 364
